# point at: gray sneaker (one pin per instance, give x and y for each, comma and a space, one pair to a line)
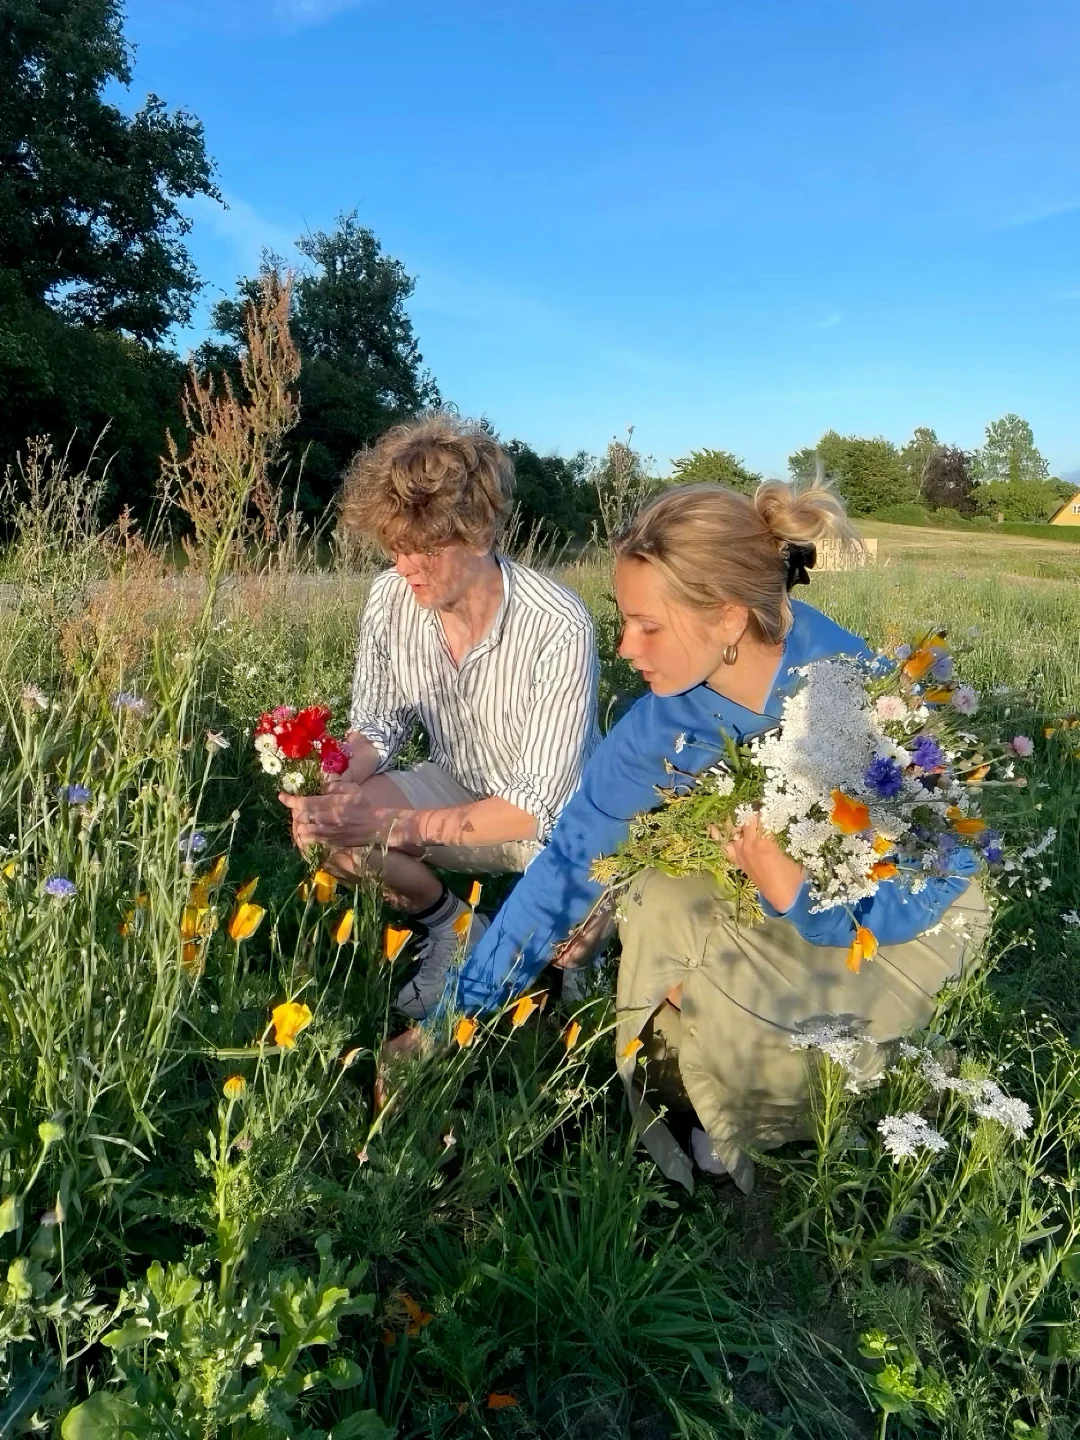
438, 951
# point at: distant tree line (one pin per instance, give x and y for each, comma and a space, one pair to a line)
95, 281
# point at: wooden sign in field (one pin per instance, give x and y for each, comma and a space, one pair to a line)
832, 555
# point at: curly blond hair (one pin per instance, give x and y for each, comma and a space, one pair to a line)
429, 483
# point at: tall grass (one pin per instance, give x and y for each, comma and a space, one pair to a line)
206, 1232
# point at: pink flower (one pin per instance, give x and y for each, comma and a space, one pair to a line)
1023, 746
891, 707
333, 757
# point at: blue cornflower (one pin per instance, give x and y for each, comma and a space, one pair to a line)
75, 794
946, 844
943, 669
927, 754
884, 777
990, 844
193, 844
59, 887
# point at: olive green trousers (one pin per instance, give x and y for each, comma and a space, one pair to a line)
746, 994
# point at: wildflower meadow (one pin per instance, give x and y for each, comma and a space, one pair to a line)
218, 1218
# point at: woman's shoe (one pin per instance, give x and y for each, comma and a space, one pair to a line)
705, 1157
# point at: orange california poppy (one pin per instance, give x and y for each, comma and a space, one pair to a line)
849, 816
244, 921
571, 1035
917, 664
464, 1031
863, 947
191, 959
247, 890
288, 1019
474, 893
940, 695
462, 925
882, 845
632, 1048
976, 776
342, 931
394, 941
969, 825
883, 870
234, 1087
522, 1010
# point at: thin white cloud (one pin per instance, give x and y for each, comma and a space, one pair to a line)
301, 13
1044, 212
241, 226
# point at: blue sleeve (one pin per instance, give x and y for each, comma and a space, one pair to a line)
894, 913
555, 893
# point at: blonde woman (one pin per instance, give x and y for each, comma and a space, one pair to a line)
703, 578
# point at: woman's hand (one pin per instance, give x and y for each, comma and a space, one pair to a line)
759, 856
346, 818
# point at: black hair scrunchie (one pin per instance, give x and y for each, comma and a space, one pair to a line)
800, 559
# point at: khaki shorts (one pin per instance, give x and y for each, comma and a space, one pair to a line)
428, 787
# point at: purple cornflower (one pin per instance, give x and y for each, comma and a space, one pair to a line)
75, 794
990, 844
884, 777
59, 887
943, 669
193, 844
927, 754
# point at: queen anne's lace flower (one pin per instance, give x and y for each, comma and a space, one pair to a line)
833, 1038
905, 1135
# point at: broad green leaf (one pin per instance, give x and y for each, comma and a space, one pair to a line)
10, 1214
362, 1425
132, 1332
104, 1416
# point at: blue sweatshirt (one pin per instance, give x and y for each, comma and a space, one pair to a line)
621, 781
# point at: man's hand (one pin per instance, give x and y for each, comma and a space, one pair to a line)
583, 942
345, 819
759, 856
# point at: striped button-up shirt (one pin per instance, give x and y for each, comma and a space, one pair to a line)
516, 719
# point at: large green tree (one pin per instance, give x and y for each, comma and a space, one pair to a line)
1009, 453
93, 266
868, 473
553, 494
718, 466
361, 366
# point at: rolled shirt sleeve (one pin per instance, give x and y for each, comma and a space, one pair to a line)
380, 710
560, 725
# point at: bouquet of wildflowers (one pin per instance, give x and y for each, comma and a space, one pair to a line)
296, 746
877, 771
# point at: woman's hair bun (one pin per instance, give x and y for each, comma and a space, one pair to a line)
815, 513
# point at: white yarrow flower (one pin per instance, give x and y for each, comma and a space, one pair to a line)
833, 1038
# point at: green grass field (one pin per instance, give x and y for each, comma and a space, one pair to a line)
206, 1233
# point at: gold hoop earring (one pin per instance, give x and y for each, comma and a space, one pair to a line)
731, 654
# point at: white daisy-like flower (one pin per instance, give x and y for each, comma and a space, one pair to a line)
292, 782
905, 1135
271, 764
266, 744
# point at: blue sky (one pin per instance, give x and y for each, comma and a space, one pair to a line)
732, 223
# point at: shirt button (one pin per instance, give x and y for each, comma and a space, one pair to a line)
691, 1030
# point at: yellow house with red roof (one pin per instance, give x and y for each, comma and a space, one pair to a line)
1069, 514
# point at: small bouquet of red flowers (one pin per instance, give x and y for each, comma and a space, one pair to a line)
296, 745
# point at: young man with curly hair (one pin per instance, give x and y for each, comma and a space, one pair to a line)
496, 661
